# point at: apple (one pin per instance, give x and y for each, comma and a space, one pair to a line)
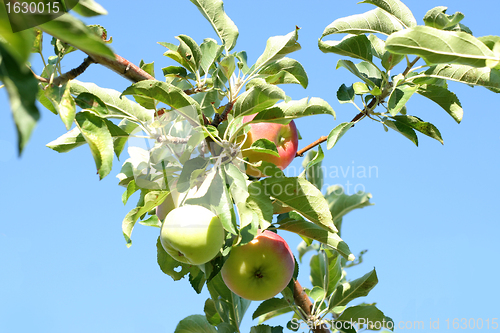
285, 137
192, 234
173, 200
259, 269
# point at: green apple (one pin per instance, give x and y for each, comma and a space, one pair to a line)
285, 137
260, 269
173, 200
192, 234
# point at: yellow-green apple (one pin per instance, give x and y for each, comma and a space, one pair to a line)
192, 234
173, 200
284, 136
260, 269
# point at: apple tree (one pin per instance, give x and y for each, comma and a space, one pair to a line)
215, 132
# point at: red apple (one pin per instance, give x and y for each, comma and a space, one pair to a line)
284, 136
260, 269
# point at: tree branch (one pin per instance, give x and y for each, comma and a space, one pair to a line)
219, 118
123, 67
60, 80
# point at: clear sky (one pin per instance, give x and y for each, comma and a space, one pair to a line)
432, 235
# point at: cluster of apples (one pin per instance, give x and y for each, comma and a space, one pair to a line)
194, 235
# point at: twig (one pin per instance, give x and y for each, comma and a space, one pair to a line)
302, 300
123, 67
301, 152
60, 80
410, 65
219, 118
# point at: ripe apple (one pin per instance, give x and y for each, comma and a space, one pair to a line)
284, 136
260, 269
192, 234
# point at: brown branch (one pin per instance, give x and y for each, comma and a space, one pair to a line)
62, 79
302, 300
301, 152
123, 67
219, 118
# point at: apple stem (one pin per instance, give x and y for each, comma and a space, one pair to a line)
302, 301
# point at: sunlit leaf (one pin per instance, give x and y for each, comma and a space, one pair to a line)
63, 102
348, 291
444, 98
277, 47
399, 97
294, 109
403, 129
258, 97
351, 46
337, 133
285, 70
420, 125
486, 77
397, 9
437, 18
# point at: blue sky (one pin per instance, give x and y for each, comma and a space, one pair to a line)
431, 234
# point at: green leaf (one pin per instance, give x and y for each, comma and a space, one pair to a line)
345, 94
74, 32
170, 95
195, 324
337, 133
389, 60
351, 46
213, 11
87, 8
265, 146
151, 200
285, 70
403, 129
22, 88
92, 102
211, 313
266, 329
152, 221
96, 133
489, 41
437, 18
348, 291
258, 97
277, 47
364, 70
397, 9
210, 51
363, 314
303, 197
67, 141
373, 21
260, 203
420, 125
311, 230
227, 66
230, 306
294, 109
444, 98
168, 265
63, 103
312, 166
399, 97
486, 77
378, 46
439, 46
190, 51
270, 305
340, 203
112, 99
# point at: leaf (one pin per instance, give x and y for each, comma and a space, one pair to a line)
258, 97
265, 146
87, 8
486, 77
337, 133
397, 9
285, 70
266, 329
378, 46
73, 31
210, 51
439, 46
17, 42
96, 133
260, 203
312, 166
399, 97
211, 313
303, 197
294, 109
22, 88
151, 200
340, 203
63, 103
421, 126
364, 314
364, 70
195, 324
351, 46
444, 98
277, 47
230, 306
403, 129
348, 291
112, 99
190, 51
345, 94
213, 11
373, 21
437, 18
170, 95
311, 230
270, 305
67, 141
